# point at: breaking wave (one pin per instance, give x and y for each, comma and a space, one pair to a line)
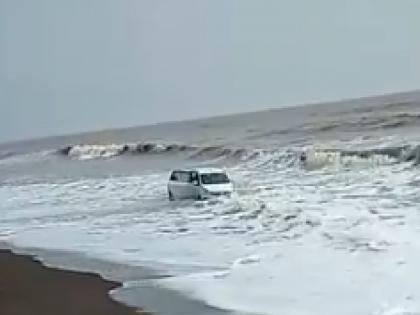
404, 153
311, 158
98, 151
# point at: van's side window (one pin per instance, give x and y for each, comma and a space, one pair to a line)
194, 177
174, 176
184, 177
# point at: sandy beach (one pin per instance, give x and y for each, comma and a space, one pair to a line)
27, 287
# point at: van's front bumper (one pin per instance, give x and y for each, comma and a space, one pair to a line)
222, 193
209, 194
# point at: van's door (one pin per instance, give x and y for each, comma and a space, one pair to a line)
179, 184
194, 191
174, 187
184, 185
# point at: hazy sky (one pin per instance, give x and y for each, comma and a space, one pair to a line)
72, 65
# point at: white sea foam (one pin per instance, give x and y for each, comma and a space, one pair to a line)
331, 237
87, 152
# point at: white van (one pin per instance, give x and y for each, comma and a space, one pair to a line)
199, 184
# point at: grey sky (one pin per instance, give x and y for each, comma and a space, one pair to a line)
67, 66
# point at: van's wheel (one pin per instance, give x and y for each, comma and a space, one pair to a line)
170, 196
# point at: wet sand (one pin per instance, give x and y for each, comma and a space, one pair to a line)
27, 288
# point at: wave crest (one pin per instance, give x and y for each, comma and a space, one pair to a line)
97, 151
103, 151
266, 158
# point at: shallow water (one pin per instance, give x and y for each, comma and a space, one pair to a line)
335, 234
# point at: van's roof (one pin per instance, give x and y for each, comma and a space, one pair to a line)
207, 170
203, 170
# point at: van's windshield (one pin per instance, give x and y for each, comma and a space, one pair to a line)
214, 178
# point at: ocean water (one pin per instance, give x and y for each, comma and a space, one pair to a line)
336, 234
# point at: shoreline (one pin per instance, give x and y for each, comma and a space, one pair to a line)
25, 275
29, 287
